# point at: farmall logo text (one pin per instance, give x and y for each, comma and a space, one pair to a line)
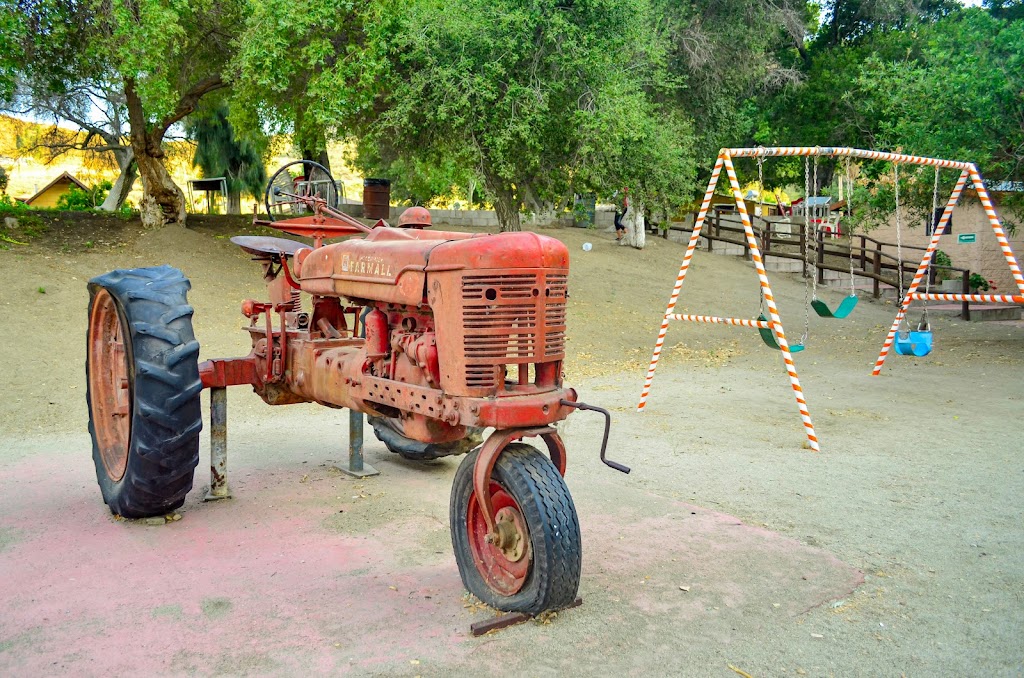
366, 265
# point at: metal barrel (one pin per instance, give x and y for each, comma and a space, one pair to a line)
376, 198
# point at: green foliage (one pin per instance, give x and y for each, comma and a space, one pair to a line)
4, 179
9, 207
164, 56
164, 47
941, 262
978, 282
945, 101
299, 68
941, 259
538, 97
29, 224
416, 178
78, 200
934, 80
220, 154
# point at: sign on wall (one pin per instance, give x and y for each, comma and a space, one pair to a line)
967, 238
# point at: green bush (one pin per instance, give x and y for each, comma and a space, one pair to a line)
940, 261
9, 207
78, 200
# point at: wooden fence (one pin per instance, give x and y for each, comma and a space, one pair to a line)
779, 237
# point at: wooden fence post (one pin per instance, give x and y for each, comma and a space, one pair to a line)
965, 308
876, 288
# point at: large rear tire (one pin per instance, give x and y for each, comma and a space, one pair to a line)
142, 373
538, 566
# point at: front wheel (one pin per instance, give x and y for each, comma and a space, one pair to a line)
536, 565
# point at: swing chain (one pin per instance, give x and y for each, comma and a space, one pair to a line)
760, 205
814, 228
809, 238
760, 187
899, 240
849, 219
925, 324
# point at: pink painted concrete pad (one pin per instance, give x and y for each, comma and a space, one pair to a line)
309, 572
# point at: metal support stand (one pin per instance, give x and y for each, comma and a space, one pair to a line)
218, 445
355, 466
480, 628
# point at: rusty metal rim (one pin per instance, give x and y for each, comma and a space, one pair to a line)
504, 574
109, 385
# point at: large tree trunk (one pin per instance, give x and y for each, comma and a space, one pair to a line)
234, 202
318, 157
162, 200
124, 183
633, 220
507, 209
506, 206
543, 213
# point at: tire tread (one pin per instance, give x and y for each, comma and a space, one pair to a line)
164, 371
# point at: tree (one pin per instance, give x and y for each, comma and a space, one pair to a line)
529, 95
932, 80
220, 154
946, 101
415, 179
98, 110
166, 55
723, 53
299, 69
850, 21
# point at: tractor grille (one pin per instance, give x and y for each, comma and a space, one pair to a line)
514, 318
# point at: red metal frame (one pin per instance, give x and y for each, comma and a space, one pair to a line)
454, 311
488, 457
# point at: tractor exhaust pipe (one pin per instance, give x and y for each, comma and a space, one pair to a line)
607, 427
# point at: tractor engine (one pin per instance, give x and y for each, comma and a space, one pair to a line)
452, 323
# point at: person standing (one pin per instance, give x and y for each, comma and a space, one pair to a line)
620, 211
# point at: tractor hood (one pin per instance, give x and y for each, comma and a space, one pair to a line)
391, 265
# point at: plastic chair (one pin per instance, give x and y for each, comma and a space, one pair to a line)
845, 307
768, 337
917, 343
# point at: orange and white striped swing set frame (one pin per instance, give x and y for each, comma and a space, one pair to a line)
774, 321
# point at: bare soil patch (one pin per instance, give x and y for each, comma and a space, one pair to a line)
899, 549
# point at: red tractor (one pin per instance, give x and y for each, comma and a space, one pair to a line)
435, 336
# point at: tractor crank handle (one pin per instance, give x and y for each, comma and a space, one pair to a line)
607, 427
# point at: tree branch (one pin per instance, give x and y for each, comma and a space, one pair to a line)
188, 102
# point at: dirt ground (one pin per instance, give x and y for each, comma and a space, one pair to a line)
729, 550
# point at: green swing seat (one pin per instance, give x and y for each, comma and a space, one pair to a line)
845, 308
768, 337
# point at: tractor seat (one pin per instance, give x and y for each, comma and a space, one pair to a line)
262, 244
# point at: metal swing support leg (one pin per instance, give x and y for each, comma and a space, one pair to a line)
773, 310
218, 445
683, 268
354, 465
922, 270
775, 322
